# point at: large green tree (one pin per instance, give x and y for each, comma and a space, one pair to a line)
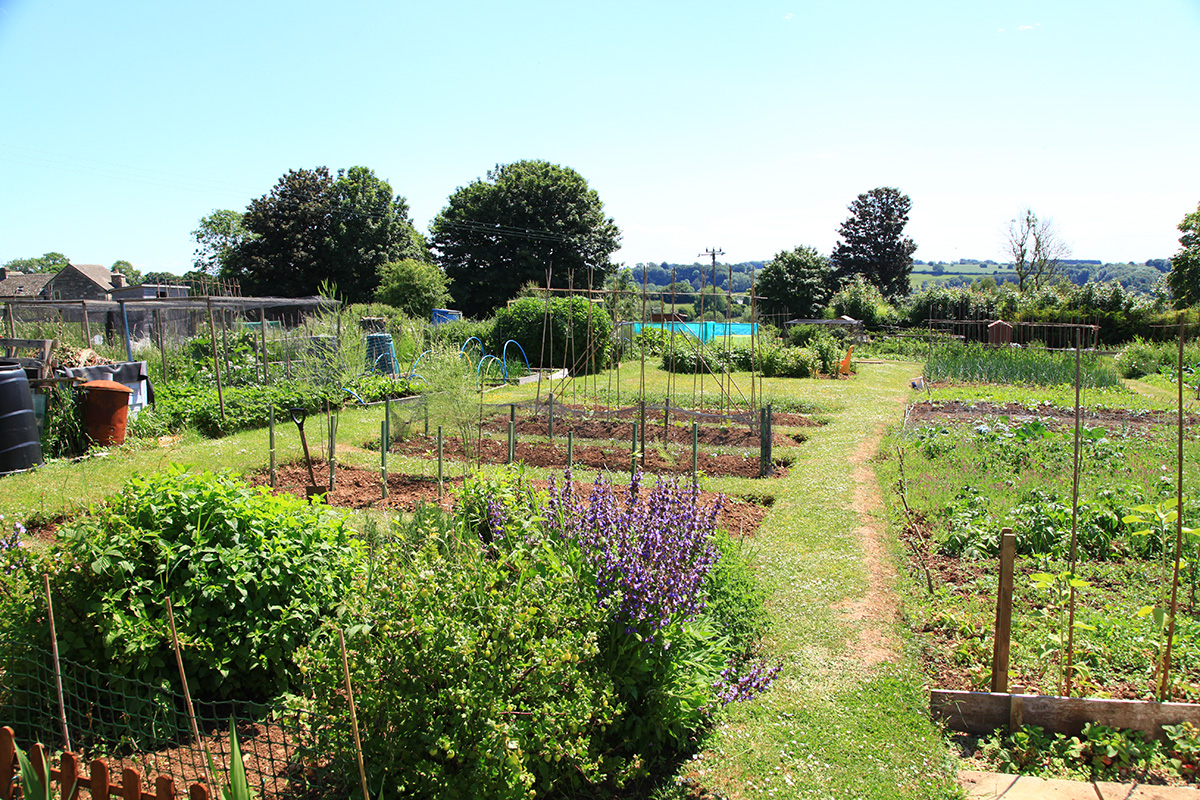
796, 283
314, 227
1184, 277
525, 221
217, 237
873, 242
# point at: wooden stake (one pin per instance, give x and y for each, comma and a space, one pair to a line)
695, 447
271, 438
570, 449
643, 429
262, 321
439, 442
383, 451
1074, 525
1166, 668
212, 337
1003, 632
62, 706
187, 693
358, 752
552, 416
87, 328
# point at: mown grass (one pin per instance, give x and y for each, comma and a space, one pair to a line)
832, 726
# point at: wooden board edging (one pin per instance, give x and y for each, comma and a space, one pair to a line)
983, 712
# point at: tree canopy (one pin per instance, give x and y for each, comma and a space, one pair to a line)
1184, 277
49, 262
217, 237
1036, 249
525, 221
873, 243
314, 227
796, 283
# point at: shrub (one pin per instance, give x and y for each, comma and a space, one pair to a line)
530, 646
476, 669
249, 574
860, 300
579, 336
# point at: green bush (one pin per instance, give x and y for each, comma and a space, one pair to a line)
526, 646
860, 300
788, 362
574, 325
249, 574
246, 407
476, 669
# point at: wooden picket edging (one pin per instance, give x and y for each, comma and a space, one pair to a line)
981, 713
70, 778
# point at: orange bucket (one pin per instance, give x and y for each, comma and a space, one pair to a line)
105, 411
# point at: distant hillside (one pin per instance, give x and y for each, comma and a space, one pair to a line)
1138, 277
1132, 275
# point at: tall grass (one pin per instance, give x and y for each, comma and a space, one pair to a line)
977, 363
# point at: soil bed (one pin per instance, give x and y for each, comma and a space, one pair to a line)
714, 435
615, 458
962, 412
355, 487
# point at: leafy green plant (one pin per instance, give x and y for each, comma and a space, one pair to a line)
249, 573
1052, 651
33, 786
237, 787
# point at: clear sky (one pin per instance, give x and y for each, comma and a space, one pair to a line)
748, 126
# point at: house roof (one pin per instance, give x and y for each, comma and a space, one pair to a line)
17, 285
98, 273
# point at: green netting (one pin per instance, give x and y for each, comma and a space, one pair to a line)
135, 724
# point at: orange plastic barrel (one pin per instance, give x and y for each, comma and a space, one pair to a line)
105, 411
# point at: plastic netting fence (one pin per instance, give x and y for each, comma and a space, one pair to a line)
130, 723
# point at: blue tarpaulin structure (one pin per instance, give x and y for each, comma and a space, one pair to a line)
704, 331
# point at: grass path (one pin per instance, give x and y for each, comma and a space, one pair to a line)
847, 717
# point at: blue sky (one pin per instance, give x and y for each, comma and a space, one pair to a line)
745, 126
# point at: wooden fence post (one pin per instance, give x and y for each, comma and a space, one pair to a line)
1003, 632
7, 756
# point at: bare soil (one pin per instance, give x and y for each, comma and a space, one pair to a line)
355, 487
1113, 418
878, 609
615, 457
712, 435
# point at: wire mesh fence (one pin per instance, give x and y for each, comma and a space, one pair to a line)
134, 724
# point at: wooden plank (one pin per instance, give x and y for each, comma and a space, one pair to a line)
164, 788
1001, 640
8, 756
27, 344
99, 784
197, 792
68, 776
983, 712
131, 784
37, 756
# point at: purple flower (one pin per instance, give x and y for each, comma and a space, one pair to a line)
650, 554
735, 688
13, 556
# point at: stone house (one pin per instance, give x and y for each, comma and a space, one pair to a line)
83, 282
18, 284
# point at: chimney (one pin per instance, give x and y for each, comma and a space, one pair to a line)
118, 280
3, 273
